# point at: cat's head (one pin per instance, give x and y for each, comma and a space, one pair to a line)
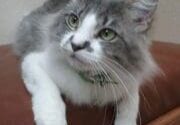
104, 34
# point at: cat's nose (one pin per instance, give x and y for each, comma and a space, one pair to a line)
77, 47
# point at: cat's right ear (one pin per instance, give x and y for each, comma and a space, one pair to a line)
141, 12
74, 0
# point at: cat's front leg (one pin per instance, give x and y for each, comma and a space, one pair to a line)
127, 110
48, 106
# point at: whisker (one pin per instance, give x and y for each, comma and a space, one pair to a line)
113, 94
112, 87
113, 67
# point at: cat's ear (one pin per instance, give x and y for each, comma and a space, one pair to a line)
73, 0
141, 12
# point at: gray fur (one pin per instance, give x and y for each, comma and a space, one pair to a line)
129, 49
29, 33
46, 27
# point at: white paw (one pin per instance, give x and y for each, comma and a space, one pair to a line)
50, 122
125, 123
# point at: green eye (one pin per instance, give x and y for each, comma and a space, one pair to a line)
107, 34
72, 21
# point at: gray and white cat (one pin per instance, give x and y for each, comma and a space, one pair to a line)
94, 52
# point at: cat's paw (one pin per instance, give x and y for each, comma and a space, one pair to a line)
50, 122
125, 123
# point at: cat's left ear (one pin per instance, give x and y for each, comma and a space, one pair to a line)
74, 0
141, 12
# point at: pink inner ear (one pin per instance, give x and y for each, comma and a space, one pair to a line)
143, 16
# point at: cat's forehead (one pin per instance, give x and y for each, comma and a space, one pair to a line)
100, 7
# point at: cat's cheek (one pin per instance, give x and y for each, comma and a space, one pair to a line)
96, 49
65, 39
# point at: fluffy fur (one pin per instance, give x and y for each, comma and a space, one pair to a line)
53, 56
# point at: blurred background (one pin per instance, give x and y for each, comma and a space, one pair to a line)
166, 27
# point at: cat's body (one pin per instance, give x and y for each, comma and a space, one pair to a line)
92, 51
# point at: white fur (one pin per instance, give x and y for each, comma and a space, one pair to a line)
73, 85
85, 32
127, 110
48, 107
48, 75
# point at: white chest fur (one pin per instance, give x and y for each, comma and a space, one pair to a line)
72, 85
46, 77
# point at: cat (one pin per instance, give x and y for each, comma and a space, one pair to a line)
94, 52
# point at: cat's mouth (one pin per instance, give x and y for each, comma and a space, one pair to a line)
79, 63
76, 58
89, 73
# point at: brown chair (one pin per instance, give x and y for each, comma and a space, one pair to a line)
160, 98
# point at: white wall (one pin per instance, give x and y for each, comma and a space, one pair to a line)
167, 23
166, 26
11, 11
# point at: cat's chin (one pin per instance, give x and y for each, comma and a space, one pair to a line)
78, 63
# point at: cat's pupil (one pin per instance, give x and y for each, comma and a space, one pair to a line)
106, 33
74, 20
